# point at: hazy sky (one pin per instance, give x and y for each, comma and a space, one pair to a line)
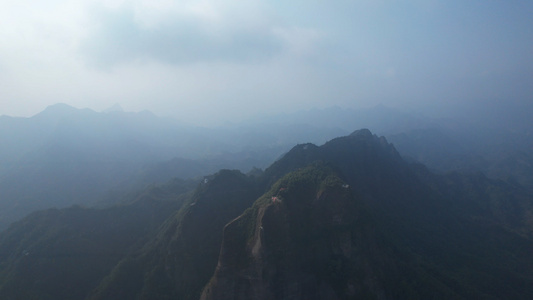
202, 60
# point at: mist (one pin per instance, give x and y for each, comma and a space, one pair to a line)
266, 150
209, 63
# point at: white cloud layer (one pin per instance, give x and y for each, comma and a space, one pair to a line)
208, 60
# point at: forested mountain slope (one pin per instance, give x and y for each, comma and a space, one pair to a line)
367, 225
347, 219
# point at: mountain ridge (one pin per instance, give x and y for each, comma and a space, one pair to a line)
407, 231
376, 226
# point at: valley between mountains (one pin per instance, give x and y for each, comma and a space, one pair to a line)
350, 219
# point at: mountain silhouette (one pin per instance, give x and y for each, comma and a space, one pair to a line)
347, 219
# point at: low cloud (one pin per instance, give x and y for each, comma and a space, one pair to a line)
204, 34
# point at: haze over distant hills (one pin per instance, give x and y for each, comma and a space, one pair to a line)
65, 156
347, 219
260, 149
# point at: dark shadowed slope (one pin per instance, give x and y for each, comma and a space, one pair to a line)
367, 225
64, 254
348, 219
179, 260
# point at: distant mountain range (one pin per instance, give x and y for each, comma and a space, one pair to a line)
64, 156
348, 219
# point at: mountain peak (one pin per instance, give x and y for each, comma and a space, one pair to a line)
114, 108
60, 110
364, 133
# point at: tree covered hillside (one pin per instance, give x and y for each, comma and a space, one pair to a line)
347, 219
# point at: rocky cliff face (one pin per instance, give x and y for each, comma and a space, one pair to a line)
359, 222
265, 248
309, 237
180, 259
346, 220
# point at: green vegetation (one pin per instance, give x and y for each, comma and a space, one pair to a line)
367, 225
181, 258
349, 219
63, 254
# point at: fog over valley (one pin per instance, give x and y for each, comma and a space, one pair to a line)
266, 150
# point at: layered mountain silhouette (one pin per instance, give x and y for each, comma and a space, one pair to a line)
64, 156
364, 224
349, 219
64, 253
